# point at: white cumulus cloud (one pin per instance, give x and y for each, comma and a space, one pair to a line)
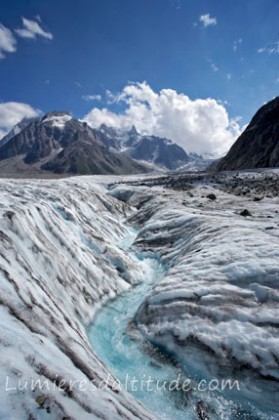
13, 112
201, 125
7, 41
31, 29
207, 20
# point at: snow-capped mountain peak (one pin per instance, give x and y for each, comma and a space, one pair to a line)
158, 151
57, 119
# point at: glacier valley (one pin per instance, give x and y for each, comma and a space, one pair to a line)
168, 277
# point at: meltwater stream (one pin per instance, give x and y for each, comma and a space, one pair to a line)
134, 362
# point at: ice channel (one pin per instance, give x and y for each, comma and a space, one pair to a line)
128, 357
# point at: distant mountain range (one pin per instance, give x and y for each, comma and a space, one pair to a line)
155, 150
258, 145
61, 144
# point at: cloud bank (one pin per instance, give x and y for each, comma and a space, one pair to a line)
201, 125
13, 112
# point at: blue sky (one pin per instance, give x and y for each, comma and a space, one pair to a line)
202, 49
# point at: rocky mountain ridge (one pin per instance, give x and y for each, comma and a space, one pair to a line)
258, 145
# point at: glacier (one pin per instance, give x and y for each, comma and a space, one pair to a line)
70, 247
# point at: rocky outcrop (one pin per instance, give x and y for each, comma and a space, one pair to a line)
258, 145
